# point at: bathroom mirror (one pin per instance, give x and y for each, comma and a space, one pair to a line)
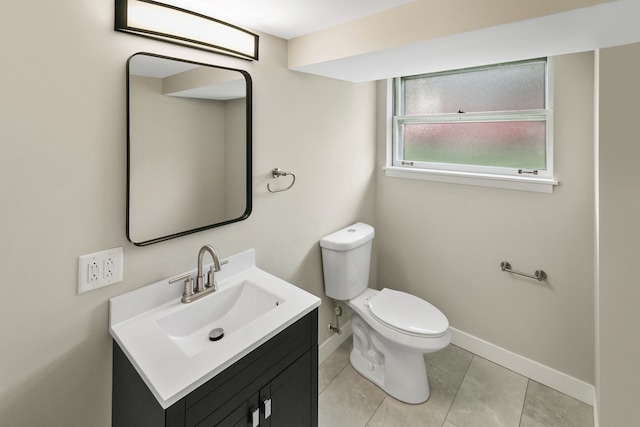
188, 147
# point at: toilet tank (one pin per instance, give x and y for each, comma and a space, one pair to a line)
346, 257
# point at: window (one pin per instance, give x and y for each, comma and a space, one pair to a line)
475, 125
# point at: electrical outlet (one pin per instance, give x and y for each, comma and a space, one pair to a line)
93, 272
100, 269
109, 268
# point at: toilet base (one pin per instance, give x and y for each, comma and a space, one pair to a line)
399, 371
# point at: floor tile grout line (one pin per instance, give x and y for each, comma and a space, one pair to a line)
458, 389
334, 377
524, 402
377, 408
508, 369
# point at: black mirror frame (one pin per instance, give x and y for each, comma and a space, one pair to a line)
249, 149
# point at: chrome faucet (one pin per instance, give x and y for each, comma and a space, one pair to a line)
202, 288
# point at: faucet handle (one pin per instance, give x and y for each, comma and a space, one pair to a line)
211, 278
211, 282
188, 284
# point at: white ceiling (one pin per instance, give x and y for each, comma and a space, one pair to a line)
287, 18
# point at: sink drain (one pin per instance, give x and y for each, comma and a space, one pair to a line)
216, 334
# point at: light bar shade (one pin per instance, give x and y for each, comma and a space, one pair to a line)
170, 23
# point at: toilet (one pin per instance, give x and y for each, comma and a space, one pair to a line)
392, 330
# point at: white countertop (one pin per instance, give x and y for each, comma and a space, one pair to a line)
167, 370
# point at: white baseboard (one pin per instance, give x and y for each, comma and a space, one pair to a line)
333, 342
557, 380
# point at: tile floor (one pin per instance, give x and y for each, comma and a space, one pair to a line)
466, 391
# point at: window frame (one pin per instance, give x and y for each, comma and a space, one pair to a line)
502, 177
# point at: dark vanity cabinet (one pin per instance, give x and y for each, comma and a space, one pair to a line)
276, 385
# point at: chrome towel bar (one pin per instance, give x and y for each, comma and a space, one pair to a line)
539, 275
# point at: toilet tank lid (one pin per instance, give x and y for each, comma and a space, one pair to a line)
349, 237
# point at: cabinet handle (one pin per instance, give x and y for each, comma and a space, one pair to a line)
255, 417
267, 408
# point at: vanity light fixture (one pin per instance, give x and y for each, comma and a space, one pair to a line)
170, 23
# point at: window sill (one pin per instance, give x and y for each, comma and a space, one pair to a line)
539, 185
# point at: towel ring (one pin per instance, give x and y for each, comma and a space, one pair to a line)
276, 173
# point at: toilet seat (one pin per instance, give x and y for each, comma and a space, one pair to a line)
408, 313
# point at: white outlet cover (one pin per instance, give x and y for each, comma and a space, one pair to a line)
109, 266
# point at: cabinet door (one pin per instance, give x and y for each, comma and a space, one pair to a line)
242, 416
291, 395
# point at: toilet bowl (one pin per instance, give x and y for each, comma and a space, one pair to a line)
392, 330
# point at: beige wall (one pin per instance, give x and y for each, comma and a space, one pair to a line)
62, 162
444, 242
619, 236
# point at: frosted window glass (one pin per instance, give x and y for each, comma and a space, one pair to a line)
512, 87
513, 144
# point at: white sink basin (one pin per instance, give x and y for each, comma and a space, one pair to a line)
234, 307
168, 341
